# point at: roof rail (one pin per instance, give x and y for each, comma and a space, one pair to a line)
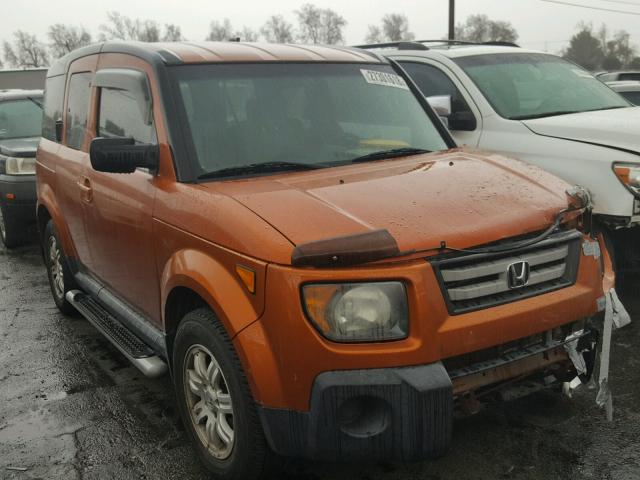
420, 44
399, 45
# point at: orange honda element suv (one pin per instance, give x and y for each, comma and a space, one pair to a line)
292, 233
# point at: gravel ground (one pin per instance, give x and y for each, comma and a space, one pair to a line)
72, 407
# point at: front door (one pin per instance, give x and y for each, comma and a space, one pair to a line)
119, 216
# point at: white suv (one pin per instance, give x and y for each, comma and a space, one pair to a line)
543, 110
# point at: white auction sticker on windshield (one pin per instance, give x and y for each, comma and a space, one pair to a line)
385, 79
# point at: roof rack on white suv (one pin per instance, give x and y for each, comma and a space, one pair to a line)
422, 44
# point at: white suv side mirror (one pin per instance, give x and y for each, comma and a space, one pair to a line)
441, 104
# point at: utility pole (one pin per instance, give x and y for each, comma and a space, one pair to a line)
452, 19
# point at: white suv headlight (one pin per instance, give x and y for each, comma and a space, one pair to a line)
17, 166
358, 312
629, 175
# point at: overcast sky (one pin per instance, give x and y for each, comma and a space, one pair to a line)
541, 25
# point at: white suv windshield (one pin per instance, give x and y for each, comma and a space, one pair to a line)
311, 114
534, 85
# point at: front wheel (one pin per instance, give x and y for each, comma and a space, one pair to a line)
215, 402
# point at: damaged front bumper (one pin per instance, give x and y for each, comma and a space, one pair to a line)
573, 355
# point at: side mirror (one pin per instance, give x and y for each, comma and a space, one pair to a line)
462, 121
441, 104
122, 155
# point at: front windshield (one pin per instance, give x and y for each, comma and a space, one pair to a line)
20, 119
315, 114
534, 85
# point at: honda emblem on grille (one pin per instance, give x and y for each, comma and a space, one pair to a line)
518, 274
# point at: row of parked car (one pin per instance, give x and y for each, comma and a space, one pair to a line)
330, 248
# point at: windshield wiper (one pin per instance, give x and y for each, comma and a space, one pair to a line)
265, 167
36, 102
392, 153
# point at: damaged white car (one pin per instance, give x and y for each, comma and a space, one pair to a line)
544, 110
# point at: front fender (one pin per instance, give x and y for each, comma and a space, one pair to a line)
215, 281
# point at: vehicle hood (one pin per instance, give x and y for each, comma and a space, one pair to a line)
617, 128
19, 147
462, 197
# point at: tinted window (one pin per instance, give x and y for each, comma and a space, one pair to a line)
120, 116
20, 119
53, 99
535, 85
633, 97
629, 76
432, 81
78, 108
316, 114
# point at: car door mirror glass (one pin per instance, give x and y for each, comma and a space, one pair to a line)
122, 155
441, 104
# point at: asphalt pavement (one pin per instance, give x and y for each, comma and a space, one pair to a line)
71, 406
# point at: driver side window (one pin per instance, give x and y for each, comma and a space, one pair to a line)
434, 82
120, 116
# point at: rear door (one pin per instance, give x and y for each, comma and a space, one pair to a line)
119, 216
72, 155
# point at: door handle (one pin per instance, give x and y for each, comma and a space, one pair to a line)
86, 192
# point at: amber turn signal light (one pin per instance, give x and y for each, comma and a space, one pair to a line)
248, 277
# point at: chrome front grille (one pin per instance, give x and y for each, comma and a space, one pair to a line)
480, 280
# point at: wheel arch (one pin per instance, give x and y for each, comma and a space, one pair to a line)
48, 209
192, 279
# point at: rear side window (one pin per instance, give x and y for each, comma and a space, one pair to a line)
120, 116
78, 108
53, 98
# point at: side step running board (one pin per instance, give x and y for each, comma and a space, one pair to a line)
138, 352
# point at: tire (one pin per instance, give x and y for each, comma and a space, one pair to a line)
60, 277
11, 232
201, 341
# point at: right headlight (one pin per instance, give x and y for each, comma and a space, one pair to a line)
17, 166
629, 175
358, 312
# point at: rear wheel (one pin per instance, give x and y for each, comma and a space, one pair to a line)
60, 277
10, 231
215, 402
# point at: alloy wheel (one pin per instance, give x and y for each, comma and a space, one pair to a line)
55, 264
209, 401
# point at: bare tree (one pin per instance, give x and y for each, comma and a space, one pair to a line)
66, 38
395, 27
26, 51
220, 31
247, 34
277, 30
320, 25
374, 35
479, 28
172, 33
